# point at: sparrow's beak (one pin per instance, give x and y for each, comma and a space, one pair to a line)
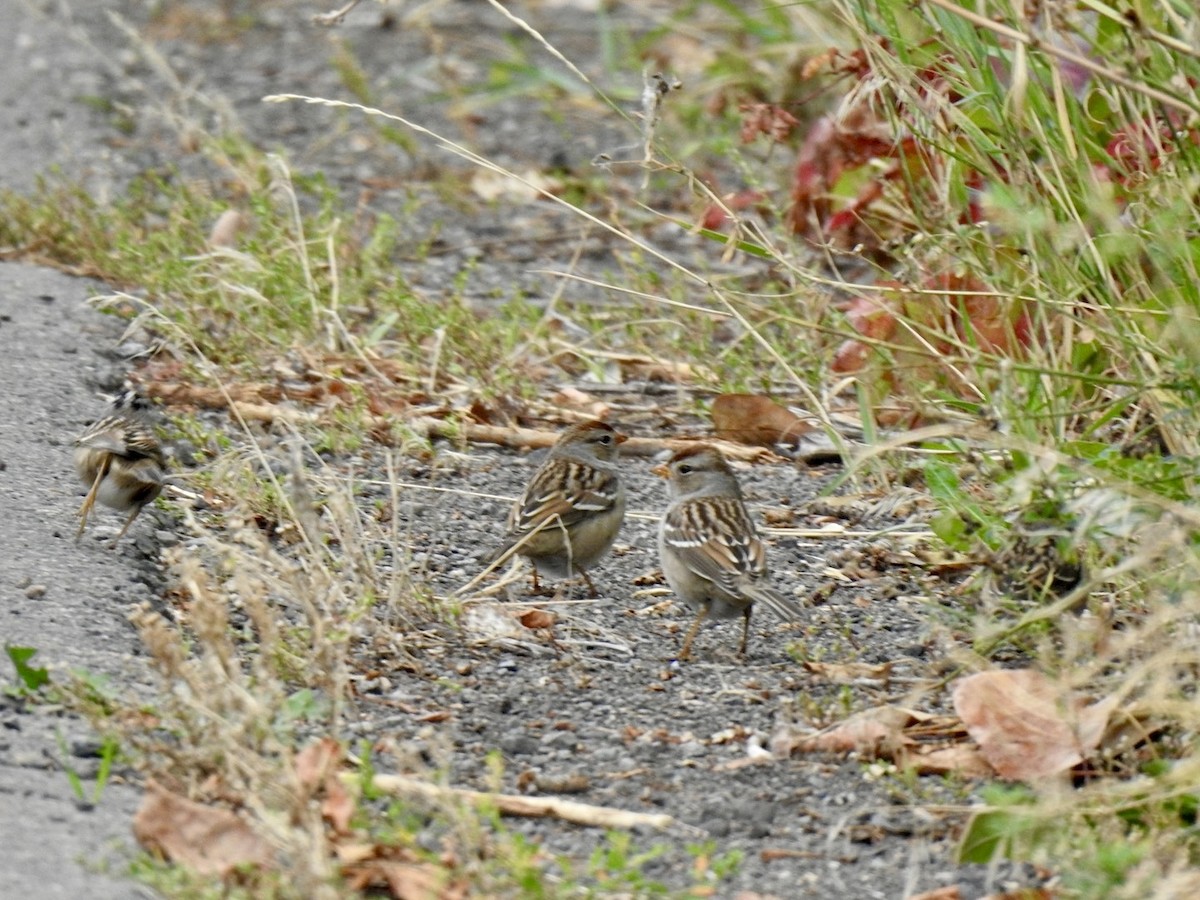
661, 471
622, 438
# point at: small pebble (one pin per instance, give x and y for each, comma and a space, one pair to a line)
35, 591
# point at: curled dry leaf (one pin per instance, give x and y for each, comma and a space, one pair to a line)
1027, 726
864, 732
537, 618
756, 419
850, 673
403, 879
316, 768
209, 840
316, 762
910, 738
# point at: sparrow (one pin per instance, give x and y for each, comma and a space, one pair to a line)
572, 508
710, 551
120, 461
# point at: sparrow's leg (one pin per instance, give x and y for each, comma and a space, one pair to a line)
591, 587
90, 500
133, 515
745, 631
686, 652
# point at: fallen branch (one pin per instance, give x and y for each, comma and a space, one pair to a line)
535, 438
514, 805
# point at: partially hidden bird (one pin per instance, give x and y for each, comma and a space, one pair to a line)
120, 461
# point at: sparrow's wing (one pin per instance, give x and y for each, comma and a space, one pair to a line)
561, 494
714, 537
122, 436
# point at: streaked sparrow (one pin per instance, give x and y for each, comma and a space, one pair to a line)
120, 461
573, 506
710, 551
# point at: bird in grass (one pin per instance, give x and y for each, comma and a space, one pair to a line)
710, 551
571, 510
120, 461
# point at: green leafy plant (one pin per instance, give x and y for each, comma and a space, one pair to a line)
32, 678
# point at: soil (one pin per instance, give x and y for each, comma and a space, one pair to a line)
597, 708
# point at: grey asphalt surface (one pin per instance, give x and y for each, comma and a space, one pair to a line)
67, 601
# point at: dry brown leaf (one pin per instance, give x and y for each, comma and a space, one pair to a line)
315, 762
316, 769
756, 419
537, 618
912, 739
1027, 726
207, 839
864, 732
950, 892
403, 879
961, 759
349, 854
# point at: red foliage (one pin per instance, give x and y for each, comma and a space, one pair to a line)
766, 118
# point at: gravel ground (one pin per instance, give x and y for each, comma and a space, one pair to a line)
597, 709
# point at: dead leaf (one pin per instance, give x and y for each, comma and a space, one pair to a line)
850, 673
950, 892
864, 732
403, 879
755, 419
537, 618
316, 762
207, 839
964, 760
316, 768
924, 742
1027, 726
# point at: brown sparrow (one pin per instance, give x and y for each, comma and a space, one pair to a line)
120, 460
572, 508
709, 549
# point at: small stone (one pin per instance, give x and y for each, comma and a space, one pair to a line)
86, 748
35, 591
519, 745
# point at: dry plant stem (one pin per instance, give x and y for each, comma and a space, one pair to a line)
515, 805
720, 296
334, 17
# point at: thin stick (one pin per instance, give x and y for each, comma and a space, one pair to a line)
515, 805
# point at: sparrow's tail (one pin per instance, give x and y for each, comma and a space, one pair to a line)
783, 608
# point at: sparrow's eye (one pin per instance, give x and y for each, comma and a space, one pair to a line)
605, 439
684, 469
